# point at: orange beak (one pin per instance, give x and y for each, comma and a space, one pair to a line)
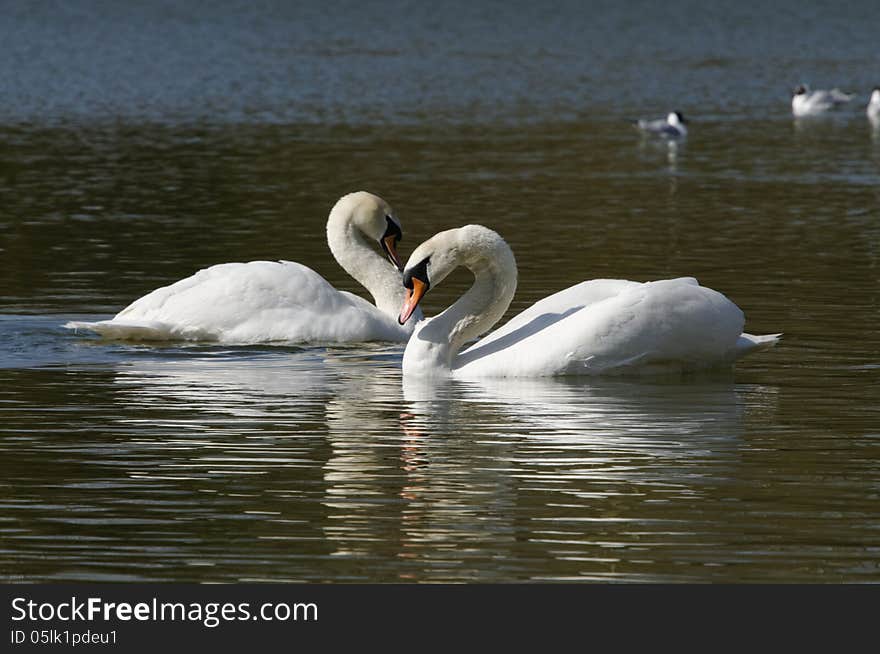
391, 250
417, 292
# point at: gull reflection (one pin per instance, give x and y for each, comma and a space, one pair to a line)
874, 122
672, 155
670, 150
818, 125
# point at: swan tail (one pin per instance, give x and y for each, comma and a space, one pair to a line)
749, 343
147, 330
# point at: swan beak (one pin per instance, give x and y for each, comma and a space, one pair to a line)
389, 244
418, 290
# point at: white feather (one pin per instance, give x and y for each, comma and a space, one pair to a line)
266, 301
597, 327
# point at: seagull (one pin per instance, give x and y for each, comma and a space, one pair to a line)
873, 109
671, 127
805, 102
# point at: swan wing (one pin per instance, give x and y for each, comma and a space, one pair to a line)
251, 302
578, 296
627, 327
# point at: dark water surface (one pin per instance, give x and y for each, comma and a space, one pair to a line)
139, 145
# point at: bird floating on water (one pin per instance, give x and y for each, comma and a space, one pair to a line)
597, 327
272, 301
671, 127
805, 102
873, 109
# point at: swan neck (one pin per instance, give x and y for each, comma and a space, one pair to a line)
356, 254
435, 344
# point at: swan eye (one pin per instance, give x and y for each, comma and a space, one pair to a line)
392, 230
418, 271
389, 240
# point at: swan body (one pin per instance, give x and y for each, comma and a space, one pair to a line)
805, 102
674, 126
603, 326
266, 301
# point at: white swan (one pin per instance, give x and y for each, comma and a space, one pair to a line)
604, 326
674, 126
805, 102
264, 301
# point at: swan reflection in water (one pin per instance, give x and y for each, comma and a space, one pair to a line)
417, 477
664, 421
488, 464
235, 412
228, 382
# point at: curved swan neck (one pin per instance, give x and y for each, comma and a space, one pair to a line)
435, 343
357, 255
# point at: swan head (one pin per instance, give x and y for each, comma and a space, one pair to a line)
473, 246
375, 219
875, 95
801, 89
676, 118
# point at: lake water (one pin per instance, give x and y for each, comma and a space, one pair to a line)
141, 144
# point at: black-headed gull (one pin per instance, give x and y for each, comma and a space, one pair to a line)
873, 109
671, 127
805, 102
